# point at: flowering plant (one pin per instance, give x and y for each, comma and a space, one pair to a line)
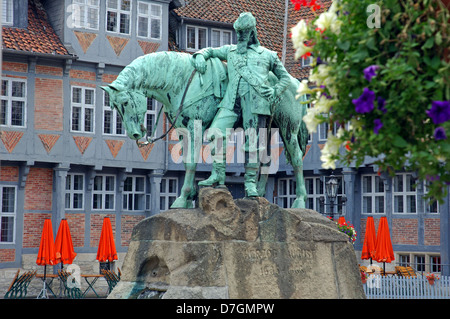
363, 275
385, 89
432, 276
349, 230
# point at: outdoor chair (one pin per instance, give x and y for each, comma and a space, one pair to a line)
70, 291
19, 285
111, 278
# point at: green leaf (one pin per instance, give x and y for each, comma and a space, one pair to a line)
438, 38
371, 44
428, 44
343, 45
400, 142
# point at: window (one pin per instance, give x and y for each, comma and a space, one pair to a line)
149, 20
82, 116
8, 206
168, 193
403, 260
134, 193
314, 190
431, 206
118, 16
196, 37
220, 38
74, 191
7, 12
286, 192
86, 14
151, 115
372, 194
103, 193
13, 103
419, 261
306, 61
435, 263
112, 122
404, 193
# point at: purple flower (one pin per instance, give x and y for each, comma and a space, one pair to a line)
377, 125
381, 104
439, 112
364, 103
370, 72
432, 178
439, 133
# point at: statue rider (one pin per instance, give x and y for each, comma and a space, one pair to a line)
249, 95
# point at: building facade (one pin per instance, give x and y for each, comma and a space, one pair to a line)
65, 154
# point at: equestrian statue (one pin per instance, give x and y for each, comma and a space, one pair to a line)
252, 88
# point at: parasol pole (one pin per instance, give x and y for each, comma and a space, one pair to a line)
43, 294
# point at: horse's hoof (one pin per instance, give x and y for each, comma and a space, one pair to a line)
179, 203
298, 203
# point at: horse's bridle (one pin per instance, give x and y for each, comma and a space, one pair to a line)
149, 140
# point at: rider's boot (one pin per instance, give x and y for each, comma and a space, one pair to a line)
217, 175
250, 176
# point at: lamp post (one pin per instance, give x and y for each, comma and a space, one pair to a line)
331, 188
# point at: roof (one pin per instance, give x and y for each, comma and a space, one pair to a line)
37, 37
269, 15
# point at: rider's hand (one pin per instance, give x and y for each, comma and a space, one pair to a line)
268, 92
200, 63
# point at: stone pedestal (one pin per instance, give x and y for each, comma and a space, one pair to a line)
245, 248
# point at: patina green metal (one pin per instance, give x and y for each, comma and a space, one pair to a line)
254, 77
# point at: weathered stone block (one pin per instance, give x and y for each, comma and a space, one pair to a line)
245, 248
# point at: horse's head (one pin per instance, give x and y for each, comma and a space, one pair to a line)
131, 106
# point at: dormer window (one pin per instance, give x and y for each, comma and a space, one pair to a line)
196, 38
86, 14
220, 38
7, 12
118, 14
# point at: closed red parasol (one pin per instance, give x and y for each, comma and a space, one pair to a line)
63, 244
47, 254
384, 252
341, 220
106, 247
370, 239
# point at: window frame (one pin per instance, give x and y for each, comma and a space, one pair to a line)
10, 99
404, 194
373, 194
306, 61
119, 12
165, 194
427, 202
131, 196
316, 194
116, 120
196, 28
153, 112
103, 193
150, 19
7, 4
71, 192
289, 197
83, 106
86, 6
221, 36
12, 214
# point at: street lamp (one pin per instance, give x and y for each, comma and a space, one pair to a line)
331, 189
